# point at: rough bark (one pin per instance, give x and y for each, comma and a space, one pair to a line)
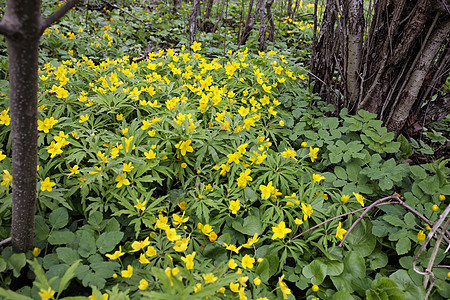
355, 46
193, 19
208, 10
412, 88
270, 20
402, 62
250, 21
23, 26
262, 28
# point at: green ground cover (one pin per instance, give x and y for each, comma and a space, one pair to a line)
199, 171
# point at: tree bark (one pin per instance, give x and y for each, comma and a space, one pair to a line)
416, 79
23, 26
250, 21
262, 28
355, 46
193, 19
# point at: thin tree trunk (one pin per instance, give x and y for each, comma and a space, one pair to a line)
355, 46
250, 22
270, 20
23, 26
208, 10
194, 14
262, 28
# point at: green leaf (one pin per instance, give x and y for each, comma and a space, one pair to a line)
355, 265
67, 255
340, 172
252, 225
393, 220
384, 288
263, 270
41, 228
362, 239
316, 270
403, 245
3, 264
8, 294
378, 259
412, 291
68, 275
334, 267
105, 269
108, 240
342, 295
87, 244
16, 262
61, 237
59, 218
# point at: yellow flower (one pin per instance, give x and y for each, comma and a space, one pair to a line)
435, 208
441, 197
234, 287
197, 287
116, 254
242, 148
140, 205
243, 178
171, 234
184, 165
233, 157
307, 211
119, 117
247, 261
184, 147
313, 153
143, 259
280, 231
421, 236
46, 185
143, 284
189, 260
2, 156
345, 198
233, 248
243, 111
209, 278
359, 198
179, 220
7, 178
317, 177
289, 153
232, 264
304, 144
150, 251
138, 245
196, 46
298, 221
127, 167
266, 191
46, 294
315, 288
128, 272
74, 170
257, 281
36, 252
234, 206
340, 231
122, 180
283, 286
251, 241
83, 118
150, 154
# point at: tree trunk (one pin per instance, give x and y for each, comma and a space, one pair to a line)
262, 28
270, 20
193, 19
250, 21
23, 26
355, 46
393, 68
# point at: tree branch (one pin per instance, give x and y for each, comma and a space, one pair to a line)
58, 14
5, 241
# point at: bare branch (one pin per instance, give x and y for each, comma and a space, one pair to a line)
5, 242
58, 14
337, 217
